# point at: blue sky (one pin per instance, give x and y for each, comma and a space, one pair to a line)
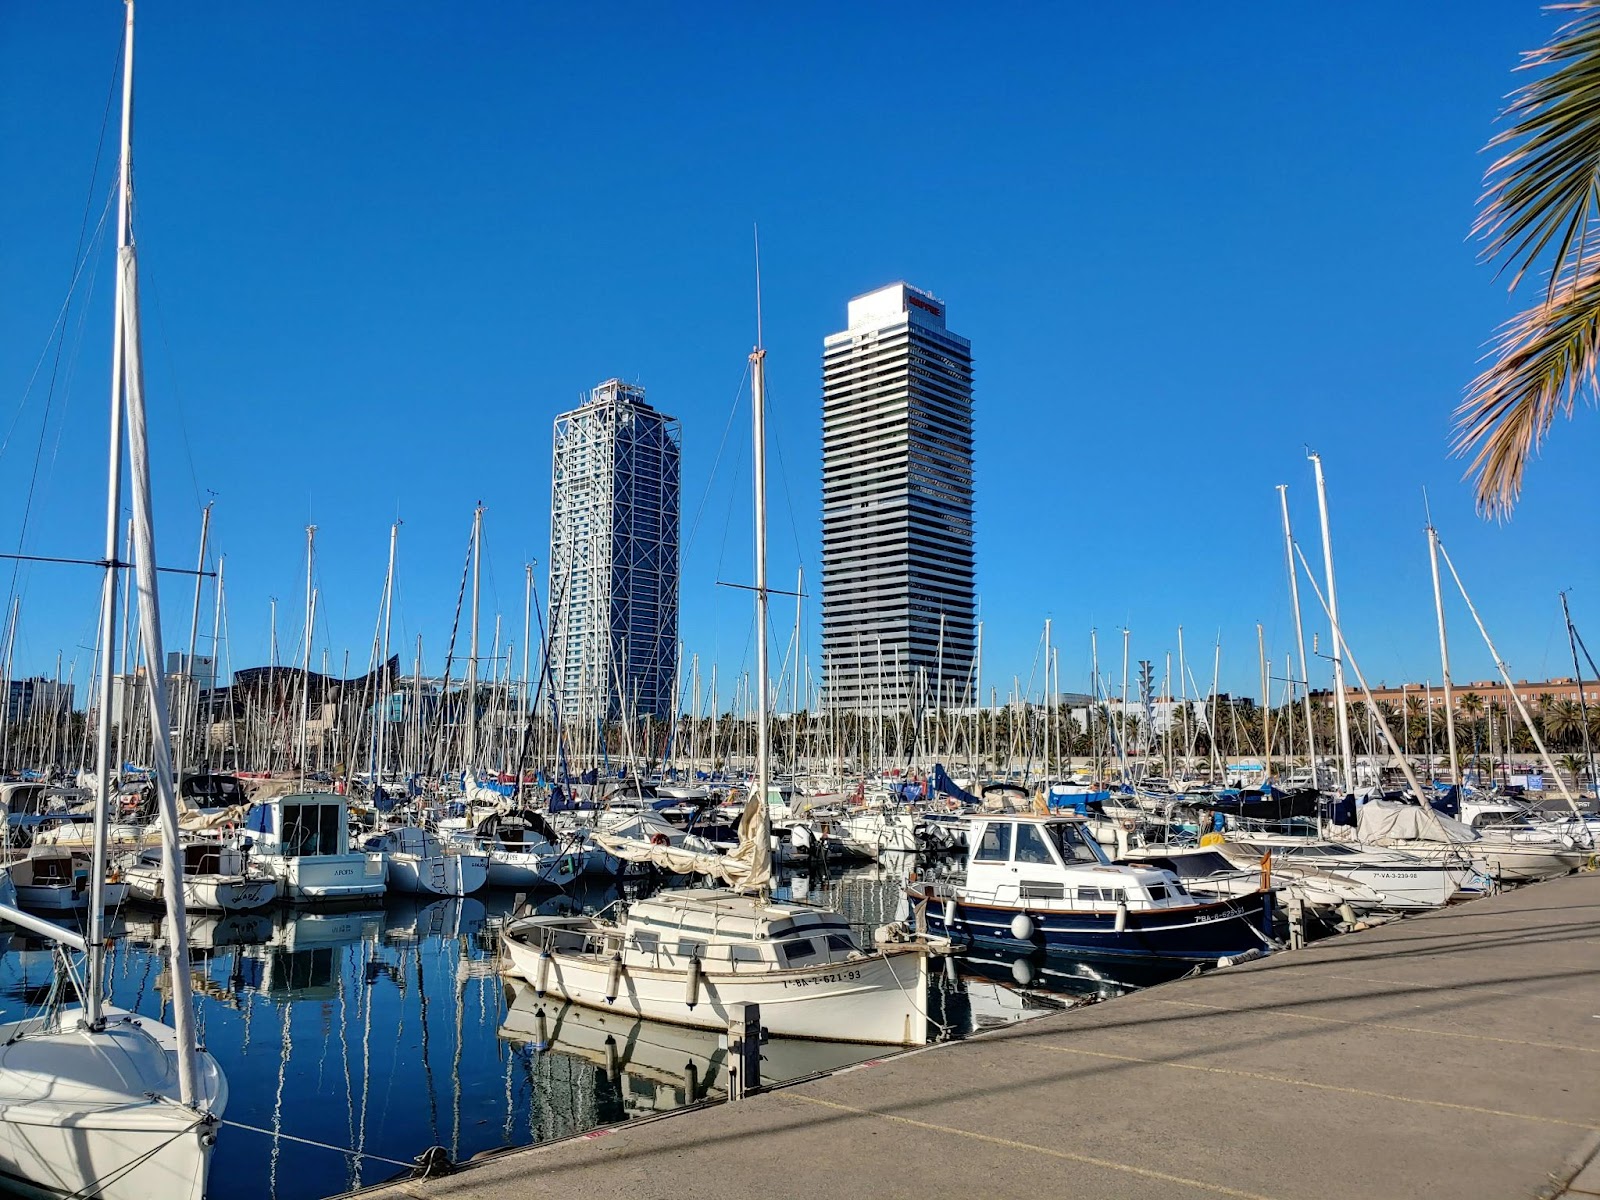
384, 245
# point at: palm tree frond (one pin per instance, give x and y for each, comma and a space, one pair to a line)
1542, 357
1542, 193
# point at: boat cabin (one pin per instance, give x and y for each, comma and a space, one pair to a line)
309, 825
1017, 859
725, 930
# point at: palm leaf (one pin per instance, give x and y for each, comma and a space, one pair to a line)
1542, 357
1541, 201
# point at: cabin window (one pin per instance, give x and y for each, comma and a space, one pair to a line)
646, 942
995, 845
799, 950
1072, 846
689, 947
311, 829
745, 954
1158, 891
841, 941
1031, 846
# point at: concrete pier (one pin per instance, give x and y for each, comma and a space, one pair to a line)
1454, 1055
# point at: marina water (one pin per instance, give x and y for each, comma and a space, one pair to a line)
353, 1041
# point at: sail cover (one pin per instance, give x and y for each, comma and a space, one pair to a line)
746, 868
752, 858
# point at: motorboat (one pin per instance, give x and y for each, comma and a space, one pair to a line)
303, 841
1041, 882
216, 877
55, 879
524, 850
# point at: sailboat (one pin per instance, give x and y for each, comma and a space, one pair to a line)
95, 1100
686, 957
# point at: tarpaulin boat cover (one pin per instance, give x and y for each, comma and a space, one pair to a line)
943, 783
1385, 822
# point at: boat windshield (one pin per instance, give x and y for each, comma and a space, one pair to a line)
1073, 848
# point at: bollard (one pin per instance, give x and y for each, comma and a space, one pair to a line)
744, 1050
1297, 921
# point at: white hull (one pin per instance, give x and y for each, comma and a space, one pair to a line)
327, 879
879, 999
873, 833
437, 874
210, 893
60, 897
68, 1129
513, 869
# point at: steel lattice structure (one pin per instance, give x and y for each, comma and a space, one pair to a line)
614, 513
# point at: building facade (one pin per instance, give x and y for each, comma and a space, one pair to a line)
613, 599
37, 698
898, 585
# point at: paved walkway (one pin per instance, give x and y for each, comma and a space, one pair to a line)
1455, 1055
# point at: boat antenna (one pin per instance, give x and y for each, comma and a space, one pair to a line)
756, 231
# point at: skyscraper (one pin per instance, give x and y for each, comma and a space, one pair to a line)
898, 604
613, 599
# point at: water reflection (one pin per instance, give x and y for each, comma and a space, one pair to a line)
388, 1031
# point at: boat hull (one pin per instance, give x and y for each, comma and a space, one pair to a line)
209, 893
878, 999
60, 1141
437, 874
327, 879
1202, 933
65, 898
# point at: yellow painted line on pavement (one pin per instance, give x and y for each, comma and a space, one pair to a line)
1216, 1189
1323, 1087
1294, 1016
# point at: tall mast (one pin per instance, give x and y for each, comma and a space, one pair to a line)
380, 709
472, 653
758, 405
192, 691
1583, 700
305, 657
108, 587
1299, 633
1444, 658
1342, 715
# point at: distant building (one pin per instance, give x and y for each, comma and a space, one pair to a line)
204, 669
898, 586
37, 698
614, 516
1490, 691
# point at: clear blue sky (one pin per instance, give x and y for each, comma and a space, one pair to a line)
384, 244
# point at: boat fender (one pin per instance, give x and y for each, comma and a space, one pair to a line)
1212, 839
541, 1032
691, 984
541, 974
613, 1068
1122, 916
950, 974
949, 914
1022, 927
1022, 972
614, 979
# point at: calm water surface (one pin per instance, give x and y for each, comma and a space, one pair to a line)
387, 1032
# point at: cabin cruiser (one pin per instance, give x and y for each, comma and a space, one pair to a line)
1041, 882
56, 879
303, 841
685, 957
217, 877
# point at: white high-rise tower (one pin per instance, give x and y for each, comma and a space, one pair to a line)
613, 599
898, 599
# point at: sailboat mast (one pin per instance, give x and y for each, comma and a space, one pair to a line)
758, 404
381, 706
1342, 714
472, 652
1444, 658
305, 657
1299, 633
108, 587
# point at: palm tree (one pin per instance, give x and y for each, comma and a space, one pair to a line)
1539, 203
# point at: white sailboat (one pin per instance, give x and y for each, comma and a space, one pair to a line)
94, 1100
686, 957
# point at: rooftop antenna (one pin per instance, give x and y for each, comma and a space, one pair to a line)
756, 229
